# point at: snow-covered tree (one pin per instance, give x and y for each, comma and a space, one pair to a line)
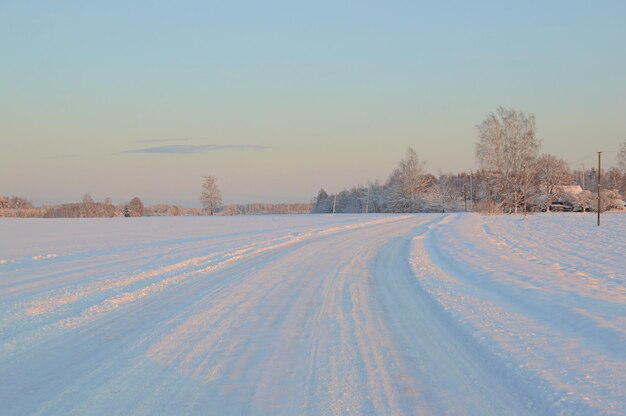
322, 204
211, 196
376, 198
135, 207
611, 200
552, 174
443, 192
621, 157
612, 179
87, 207
507, 149
407, 185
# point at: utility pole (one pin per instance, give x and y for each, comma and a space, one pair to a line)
599, 183
472, 189
489, 195
367, 203
465, 195
334, 202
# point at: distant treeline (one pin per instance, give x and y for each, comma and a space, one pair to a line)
513, 176
473, 191
261, 209
21, 207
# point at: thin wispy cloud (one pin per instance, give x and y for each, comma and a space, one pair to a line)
163, 140
64, 156
191, 149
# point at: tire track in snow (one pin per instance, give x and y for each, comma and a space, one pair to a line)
155, 281
507, 276
546, 337
287, 331
316, 328
451, 373
333, 324
199, 266
324, 340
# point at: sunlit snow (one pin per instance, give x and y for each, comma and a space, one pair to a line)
314, 314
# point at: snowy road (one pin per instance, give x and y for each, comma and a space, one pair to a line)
314, 315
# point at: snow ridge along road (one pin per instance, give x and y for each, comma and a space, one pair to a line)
319, 315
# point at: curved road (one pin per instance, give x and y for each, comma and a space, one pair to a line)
327, 322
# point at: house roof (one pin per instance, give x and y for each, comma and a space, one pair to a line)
571, 189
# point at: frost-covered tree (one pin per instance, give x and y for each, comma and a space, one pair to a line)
507, 149
358, 199
584, 201
621, 157
18, 202
211, 196
443, 192
105, 209
352, 200
552, 174
87, 207
612, 179
611, 200
407, 185
376, 198
322, 204
135, 208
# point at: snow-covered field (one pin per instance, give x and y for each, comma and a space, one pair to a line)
319, 315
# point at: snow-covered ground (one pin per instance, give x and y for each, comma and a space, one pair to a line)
348, 314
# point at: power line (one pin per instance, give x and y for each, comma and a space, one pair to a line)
599, 183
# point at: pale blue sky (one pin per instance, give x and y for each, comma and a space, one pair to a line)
277, 99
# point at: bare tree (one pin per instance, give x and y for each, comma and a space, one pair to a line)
211, 197
443, 191
552, 174
612, 179
621, 157
507, 149
17, 202
407, 184
135, 208
87, 207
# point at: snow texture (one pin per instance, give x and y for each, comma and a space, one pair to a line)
314, 315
